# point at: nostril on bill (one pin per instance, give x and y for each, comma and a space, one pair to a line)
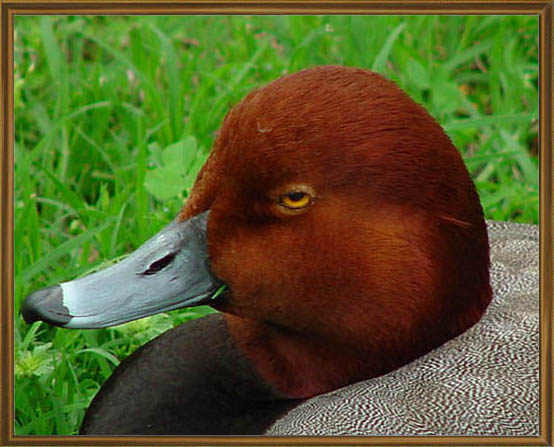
160, 264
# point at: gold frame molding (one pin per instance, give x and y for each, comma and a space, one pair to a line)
542, 9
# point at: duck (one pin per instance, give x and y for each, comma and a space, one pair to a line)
338, 233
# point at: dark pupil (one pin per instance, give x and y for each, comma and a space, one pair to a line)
156, 266
296, 196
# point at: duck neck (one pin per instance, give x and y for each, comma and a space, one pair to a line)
191, 380
300, 365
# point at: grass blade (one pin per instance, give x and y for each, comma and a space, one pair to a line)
383, 55
51, 257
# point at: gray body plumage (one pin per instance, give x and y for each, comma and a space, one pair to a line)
484, 382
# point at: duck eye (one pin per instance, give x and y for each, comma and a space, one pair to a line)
296, 200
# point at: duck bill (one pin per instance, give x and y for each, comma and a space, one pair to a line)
169, 271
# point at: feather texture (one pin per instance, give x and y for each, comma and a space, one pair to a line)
484, 382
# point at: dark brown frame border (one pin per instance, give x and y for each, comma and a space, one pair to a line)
542, 9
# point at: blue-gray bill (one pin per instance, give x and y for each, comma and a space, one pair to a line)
169, 271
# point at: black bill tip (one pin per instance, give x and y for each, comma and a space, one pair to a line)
46, 305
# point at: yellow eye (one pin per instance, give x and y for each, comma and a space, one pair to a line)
296, 200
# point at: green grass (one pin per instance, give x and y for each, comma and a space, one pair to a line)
109, 108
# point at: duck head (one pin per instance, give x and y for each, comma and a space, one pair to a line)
341, 220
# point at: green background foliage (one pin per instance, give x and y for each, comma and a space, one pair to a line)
115, 115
